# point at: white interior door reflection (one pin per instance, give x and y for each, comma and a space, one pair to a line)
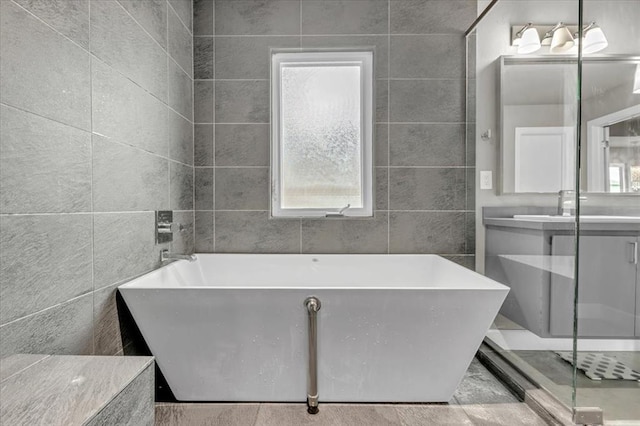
544, 159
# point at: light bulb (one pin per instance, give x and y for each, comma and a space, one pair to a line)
594, 40
562, 40
529, 42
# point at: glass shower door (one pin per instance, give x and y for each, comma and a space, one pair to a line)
608, 276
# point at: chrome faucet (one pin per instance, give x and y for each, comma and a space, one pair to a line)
567, 202
165, 255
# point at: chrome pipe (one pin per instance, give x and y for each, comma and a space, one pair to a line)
313, 306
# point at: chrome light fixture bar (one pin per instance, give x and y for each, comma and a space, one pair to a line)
527, 39
561, 38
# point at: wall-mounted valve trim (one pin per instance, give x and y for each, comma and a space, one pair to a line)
165, 227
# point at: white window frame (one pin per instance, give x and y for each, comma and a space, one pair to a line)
364, 59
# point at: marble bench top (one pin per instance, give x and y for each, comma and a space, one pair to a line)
60, 389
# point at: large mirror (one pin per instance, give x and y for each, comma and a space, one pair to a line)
537, 124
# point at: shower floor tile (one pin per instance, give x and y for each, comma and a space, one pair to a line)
480, 400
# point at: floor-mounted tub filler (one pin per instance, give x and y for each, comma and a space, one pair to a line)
244, 327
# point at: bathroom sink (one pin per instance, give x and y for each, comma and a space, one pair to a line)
583, 218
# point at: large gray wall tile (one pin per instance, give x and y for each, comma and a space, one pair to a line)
427, 145
381, 147
107, 334
42, 262
45, 166
180, 91
368, 235
242, 144
382, 101
124, 246
64, 329
133, 406
426, 189
26, 80
382, 188
470, 144
204, 188
180, 43
432, 16
203, 101
471, 188
273, 17
124, 111
242, 188
255, 232
468, 261
152, 15
184, 10
203, 144
430, 56
69, 17
344, 17
242, 102
180, 136
203, 17
380, 43
203, 50
426, 232
181, 184
183, 241
470, 232
203, 230
125, 178
439, 101
248, 57
119, 41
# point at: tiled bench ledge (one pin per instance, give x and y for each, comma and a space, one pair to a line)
76, 390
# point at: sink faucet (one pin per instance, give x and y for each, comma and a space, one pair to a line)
567, 202
165, 255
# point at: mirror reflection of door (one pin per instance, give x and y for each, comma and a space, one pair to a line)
622, 156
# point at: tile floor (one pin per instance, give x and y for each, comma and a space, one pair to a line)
480, 400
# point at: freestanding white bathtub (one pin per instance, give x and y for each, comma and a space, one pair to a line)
391, 328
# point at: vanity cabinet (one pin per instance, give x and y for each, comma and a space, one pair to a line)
608, 276
536, 260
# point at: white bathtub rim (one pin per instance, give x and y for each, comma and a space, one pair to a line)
149, 280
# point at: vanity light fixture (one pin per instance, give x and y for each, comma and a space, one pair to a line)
527, 39
561, 39
593, 39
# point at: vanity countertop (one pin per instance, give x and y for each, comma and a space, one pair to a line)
61, 389
542, 224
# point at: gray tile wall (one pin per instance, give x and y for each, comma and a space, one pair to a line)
423, 171
96, 132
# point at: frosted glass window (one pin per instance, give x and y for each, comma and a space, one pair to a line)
322, 115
